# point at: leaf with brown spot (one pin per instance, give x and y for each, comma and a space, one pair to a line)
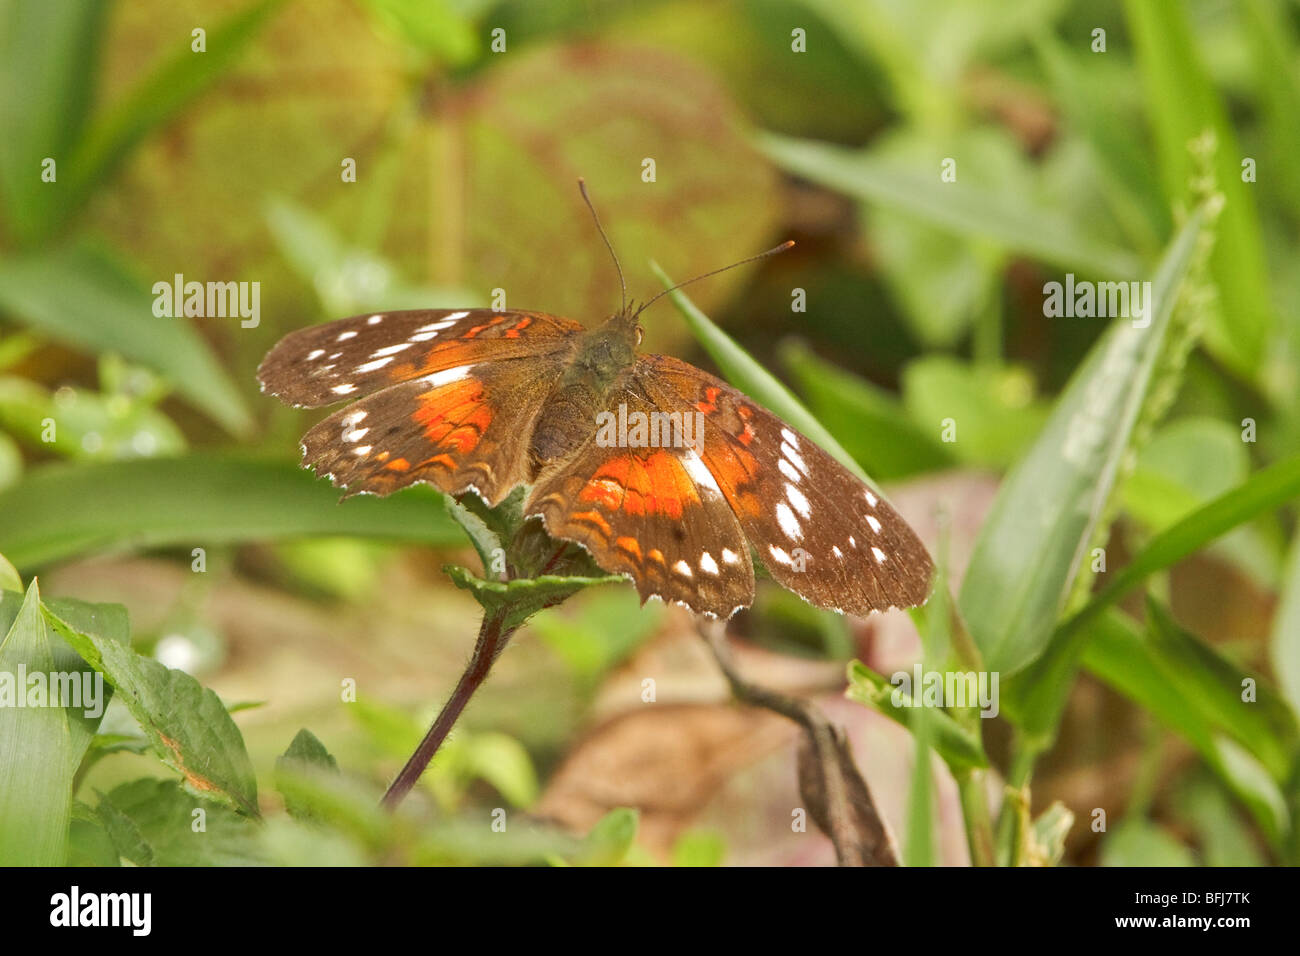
185, 722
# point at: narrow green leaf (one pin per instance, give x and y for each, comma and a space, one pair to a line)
10, 580
1034, 541
81, 296
48, 58
870, 423
1182, 104
1168, 684
1007, 218
171, 87
187, 724
201, 500
37, 757
742, 371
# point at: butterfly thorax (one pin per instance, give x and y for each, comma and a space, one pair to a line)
601, 364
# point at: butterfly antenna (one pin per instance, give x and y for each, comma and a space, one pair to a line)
762, 255
582, 187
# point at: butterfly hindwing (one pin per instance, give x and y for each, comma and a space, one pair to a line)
820, 530
340, 361
654, 514
459, 429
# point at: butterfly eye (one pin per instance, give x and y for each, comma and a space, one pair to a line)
640, 332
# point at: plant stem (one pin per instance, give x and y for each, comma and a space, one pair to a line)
850, 817
979, 823
492, 639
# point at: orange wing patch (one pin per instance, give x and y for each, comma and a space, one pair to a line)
453, 417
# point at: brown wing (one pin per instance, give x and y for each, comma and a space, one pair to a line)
821, 532
459, 429
654, 514
339, 361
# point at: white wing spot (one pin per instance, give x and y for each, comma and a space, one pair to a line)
871, 499
363, 450
390, 350
423, 336
794, 457
315, 354
447, 375
788, 470
798, 500
343, 389
355, 434
351, 418
708, 565
875, 525
376, 364
852, 542
791, 437
880, 555
788, 522
374, 320
684, 569
730, 557
779, 555
699, 472
454, 316
436, 327
835, 550
344, 336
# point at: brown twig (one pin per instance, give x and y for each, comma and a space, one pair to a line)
837, 796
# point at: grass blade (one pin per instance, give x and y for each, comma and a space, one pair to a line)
62, 511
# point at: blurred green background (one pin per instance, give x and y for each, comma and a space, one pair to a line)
1115, 141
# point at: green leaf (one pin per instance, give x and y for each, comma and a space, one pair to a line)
518, 600
158, 823
37, 753
699, 848
201, 500
1046, 843
82, 297
1264, 491
992, 408
306, 756
611, 838
163, 94
1143, 843
1181, 104
742, 371
868, 421
960, 749
10, 580
89, 843
1003, 217
49, 54
1050, 507
1168, 678
187, 724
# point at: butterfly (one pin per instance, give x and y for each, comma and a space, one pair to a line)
664, 473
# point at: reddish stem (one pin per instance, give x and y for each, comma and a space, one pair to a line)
492, 638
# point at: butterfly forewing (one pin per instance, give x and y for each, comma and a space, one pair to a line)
820, 531
445, 428
344, 360
654, 514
